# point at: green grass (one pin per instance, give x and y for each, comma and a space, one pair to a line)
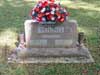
13, 13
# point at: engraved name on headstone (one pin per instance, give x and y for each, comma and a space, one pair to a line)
50, 30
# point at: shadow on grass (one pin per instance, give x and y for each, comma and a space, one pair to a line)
13, 14
94, 2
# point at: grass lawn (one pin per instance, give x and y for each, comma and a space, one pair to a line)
13, 13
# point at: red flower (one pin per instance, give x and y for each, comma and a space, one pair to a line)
61, 19
52, 0
37, 9
45, 4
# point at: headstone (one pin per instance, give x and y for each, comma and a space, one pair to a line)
49, 43
49, 36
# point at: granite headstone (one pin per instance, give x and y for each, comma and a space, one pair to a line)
51, 36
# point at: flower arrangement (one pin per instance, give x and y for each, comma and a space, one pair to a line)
48, 11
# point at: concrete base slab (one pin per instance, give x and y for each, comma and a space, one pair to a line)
78, 55
57, 52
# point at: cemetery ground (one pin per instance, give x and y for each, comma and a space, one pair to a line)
13, 13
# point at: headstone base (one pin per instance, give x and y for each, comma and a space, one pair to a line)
76, 55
